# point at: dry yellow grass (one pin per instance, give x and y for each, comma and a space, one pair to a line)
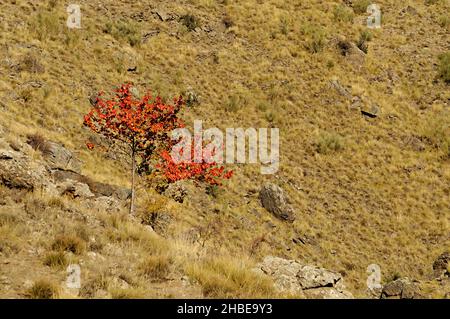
381, 198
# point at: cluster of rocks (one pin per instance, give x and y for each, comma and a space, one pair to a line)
59, 173
304, 281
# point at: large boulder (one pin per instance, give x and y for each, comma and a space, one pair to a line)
17, 171
59, 157
402, 288
273, 199
75, 189
309, 281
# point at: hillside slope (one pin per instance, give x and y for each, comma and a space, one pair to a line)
365, 142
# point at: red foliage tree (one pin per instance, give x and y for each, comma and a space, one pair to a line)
141, 123
144, 125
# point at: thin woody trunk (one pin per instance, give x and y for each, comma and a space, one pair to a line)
133, 182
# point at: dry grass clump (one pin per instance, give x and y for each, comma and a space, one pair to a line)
156, 266
56, 259
70, 243
43, 289
222, 277
327, 143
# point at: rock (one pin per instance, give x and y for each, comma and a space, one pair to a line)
305, 280
401, 288
441, 265
59, 157
371, 110
273, 199
315, 277
17, 171
160, 222
105, 203
163, 15
340, 89
97, 188
75, 189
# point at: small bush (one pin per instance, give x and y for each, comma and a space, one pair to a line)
329, 143
444, 67
190, 21
156, 267
56, 259
342, 14
69, 243
43, 289
315, 39
364, 37
360, 6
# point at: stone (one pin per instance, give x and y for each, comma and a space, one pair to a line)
59, 157
75, 189
17, 171
441, 266
401, 288
309, 281
273, 199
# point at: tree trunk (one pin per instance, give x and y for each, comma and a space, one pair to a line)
133, 182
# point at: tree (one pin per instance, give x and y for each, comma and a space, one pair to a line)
143, 124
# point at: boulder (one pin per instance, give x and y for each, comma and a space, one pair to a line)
75, 189
401, 288
59, 157
309, 281
441, 266
17, 171
273, 199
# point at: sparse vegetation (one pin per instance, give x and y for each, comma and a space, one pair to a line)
156, 266
329, 143
43, 289
70, 243
444, 66
227, 278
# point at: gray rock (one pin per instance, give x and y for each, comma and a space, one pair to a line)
303, 280
17, 171
75, 189
59, 157
273, 199
401, 288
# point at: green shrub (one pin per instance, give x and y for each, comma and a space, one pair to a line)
190, 21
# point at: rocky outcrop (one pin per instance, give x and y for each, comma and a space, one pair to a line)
17, 171
402, 288
273, 199
59, 157
307, 281
441, 266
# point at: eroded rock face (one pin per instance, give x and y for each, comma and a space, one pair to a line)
273, 199
17, 171
304, 280
402, 288
59, 157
